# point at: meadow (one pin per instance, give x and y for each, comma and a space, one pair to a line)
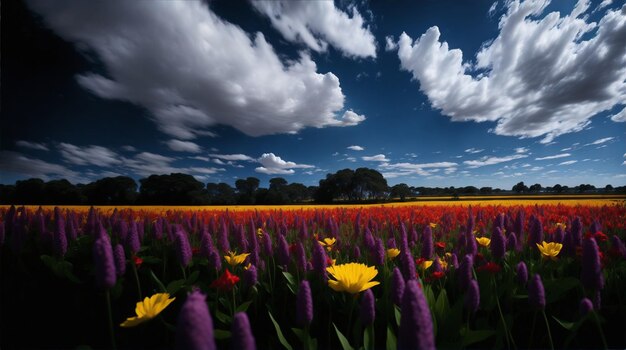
499, 274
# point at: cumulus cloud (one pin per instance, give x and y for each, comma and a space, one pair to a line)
32, 145
620, 117
376, 158
88, 155
17, 163
319, 23
356, 148
562, 155
492, 160
183, 146
473, 150
390, 44
541, 76
423, 169
272, 164
193, 70
569, 162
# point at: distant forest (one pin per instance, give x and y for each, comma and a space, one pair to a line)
345, 186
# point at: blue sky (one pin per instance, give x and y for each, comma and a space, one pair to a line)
429, 93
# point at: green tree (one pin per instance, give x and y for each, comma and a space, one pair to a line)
401, 191
119, 190
520, 187
172, 189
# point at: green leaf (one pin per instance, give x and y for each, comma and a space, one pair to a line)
520, 296
367, 337
221, 334
65, 268
430, 296
471, 337
292, 284
299, 333
157, 281
222, 317
342, 339
391, 342
193, 278
243, 307
151, 260
442, 307
565, 324
175, 286
396, 311
556, 288
281, 337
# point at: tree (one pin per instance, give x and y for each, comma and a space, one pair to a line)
486, 190
535, 188
221, 193
172, 189
61, 192
119, 190
7, 194
29, 191
557, 188
520, 187
246, 190
369, 184
608, 188
401, 191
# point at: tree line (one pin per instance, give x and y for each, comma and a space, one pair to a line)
346, 186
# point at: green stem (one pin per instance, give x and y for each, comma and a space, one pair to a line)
110, 314
545, 318
137, 279
182, 268
506, 329
597, 322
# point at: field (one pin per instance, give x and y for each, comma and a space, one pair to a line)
506, 273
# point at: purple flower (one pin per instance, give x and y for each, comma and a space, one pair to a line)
597, 300
518, 227
407, 264
427, 242
222, 237
437, 265
301, 262
378, 253
536, 293
472, 297
250, 276
267, 245
585, 306
521, 273
283, 251
59, 238
132, 240
206, 244
194, 329
120, 260
182, 247
416, 325
397, 286
242, 338
319, 259
368, 308
103, 261
618, 245
471, 247
558, 235
356, 252
368, 239
304, 304
511, 242
454, 261
498, 222
498, 244
465, 271
577, 232
591, 275
215, 260
536, 233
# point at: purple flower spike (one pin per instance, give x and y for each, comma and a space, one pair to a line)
591, 275
304, 304
283, 251
206, 244
416, 325
521, 273
194, 329
59, 237
103, 261
585, 306
183, 249
472, 298
215, 260
132, 240
465, 271
356, 252
577, 232
250, 276
300, 256
618, 245
120, 260
368, 308
511, 242
407, 264
536, 293
242, 338
397, 286
319, 259
536, 233
498, 244
427, 243
378, 253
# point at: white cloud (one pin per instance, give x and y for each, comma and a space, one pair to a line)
129, 148
218, 161
356, 148
88, 155
620, 117
235, 157
351, 159
600, 141
423, 169
192, 70
492, 160
32, 145
319, 23
492, 9
521, 150
562, 155
204, 159
536, 168
376, 158
183, 146
14, 162
272, 164
539, 77
390, 44
473, 150
569, 162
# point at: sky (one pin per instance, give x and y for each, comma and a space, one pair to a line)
429, 93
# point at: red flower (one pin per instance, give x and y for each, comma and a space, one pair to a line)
490, 267
195, 251
226, 282
137, 260
440, 245
419, 261
601, 236
437, 275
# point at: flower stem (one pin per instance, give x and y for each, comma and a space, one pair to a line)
545, 318
110, 314
137, 280
506, 329
597, 322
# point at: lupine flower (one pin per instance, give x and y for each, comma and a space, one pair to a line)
206, 244
536, 233
378, 253
304, 304
471, 246
591, 275
483, 241
392, 253
328, 243
352, 277
597, 300
617, 246
585, 306
132, 240
104, 263
465, 271
397, 286
215, 261
577, 231
368, 309
521, 272
267, 244
250, 276
498, 244
233, 259
300, 256
148, 309
536, 293
226, 282
120, 260
511, 242
283, 251
559, 233
416, 325
549, 250
194, 329
472, 297
59, 237
319, 260
242, 338
183, 249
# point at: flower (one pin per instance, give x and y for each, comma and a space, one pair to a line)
484, 241
352, 277
432, 225
416, 324
490, 267
472, 297
561, 225
549, 250
437, 275
423, 263
242, 337
368, 309
440, 245
194, 329
148, 309
392, 253
226, 282
328, 243
259, 232
137, 260
536, 293
304, 304
233, 260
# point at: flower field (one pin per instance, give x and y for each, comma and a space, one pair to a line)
368, 277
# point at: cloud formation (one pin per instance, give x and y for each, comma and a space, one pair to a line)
477, 163
376, 158
562, 155
473, 150
32, 145
356, 148
541, 76
272, 164
423, 169
620, 117
15, 162
319, 23
183, 146
193, 70
88, 155
233, 157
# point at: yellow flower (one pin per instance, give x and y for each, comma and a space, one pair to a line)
333, 261
328, 243
549, 250
148, 309
234, 260
432, 225
484, 241
392, 253
247, 266
259, 232
444, 264
352, 277
425, 264
561, 225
